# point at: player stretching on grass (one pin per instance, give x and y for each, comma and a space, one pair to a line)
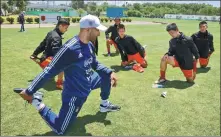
50, 46
204, 42
114, 34
130, 50
180, 54
77, 60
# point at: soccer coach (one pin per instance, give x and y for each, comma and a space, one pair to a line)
77, 60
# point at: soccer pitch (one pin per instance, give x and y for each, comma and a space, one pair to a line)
187, 109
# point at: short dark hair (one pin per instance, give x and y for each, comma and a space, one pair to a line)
202, 23
172, 26
121, 26
63, 21
117, 18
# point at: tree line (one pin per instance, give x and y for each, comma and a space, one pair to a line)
133, 10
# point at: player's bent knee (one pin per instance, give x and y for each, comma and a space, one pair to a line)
144, 65
190, 80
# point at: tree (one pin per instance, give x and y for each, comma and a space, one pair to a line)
76, 4
137, 6
80, 12
21, 4
92, 6
104, 6
5, 7
98, 12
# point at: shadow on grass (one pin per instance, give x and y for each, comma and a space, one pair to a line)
112, 54
78, 127
203, 70
178, 84
118, 68
50, 85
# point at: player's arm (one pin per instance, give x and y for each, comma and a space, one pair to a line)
211, 47
193, 38
64, 58
170, 50
121, 50
40, 48
108, 31
56, 44
138, 46
193, 48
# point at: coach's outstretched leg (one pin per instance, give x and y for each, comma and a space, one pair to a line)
70, 108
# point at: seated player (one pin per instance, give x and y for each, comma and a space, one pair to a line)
204, 42
111, 40
50, 46
130, 50
180, 54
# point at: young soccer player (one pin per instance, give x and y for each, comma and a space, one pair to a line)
180, 54
111, 40
50, 46
204, 42
130, 50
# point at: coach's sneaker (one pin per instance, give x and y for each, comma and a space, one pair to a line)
109, 107
37, 96
160, 81
37, 100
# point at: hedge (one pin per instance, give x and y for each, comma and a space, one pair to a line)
1, 20
35, 19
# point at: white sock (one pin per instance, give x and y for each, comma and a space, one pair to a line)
38, 105
104, 102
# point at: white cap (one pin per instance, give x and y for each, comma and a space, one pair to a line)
91, 21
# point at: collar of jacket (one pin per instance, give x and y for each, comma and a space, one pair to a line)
58, 31
201, 34
181, 36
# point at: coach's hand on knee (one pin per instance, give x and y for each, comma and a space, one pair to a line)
113, 79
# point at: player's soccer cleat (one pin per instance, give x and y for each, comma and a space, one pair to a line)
138, 68
109, 107
160, 81
109, 54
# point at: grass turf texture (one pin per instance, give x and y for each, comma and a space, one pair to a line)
187, 109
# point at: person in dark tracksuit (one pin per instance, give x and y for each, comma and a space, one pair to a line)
83, 73
21, 19
130, 50
180, 54
50, 46
111, 40
204, 42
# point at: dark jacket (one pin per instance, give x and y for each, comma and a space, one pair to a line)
50, 45
204, 43
129, 46
183, 49
113, 30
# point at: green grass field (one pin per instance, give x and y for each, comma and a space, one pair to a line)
187, 109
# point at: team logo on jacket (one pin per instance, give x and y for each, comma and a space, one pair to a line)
88, 62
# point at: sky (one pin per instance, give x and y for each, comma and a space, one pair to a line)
213, 3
